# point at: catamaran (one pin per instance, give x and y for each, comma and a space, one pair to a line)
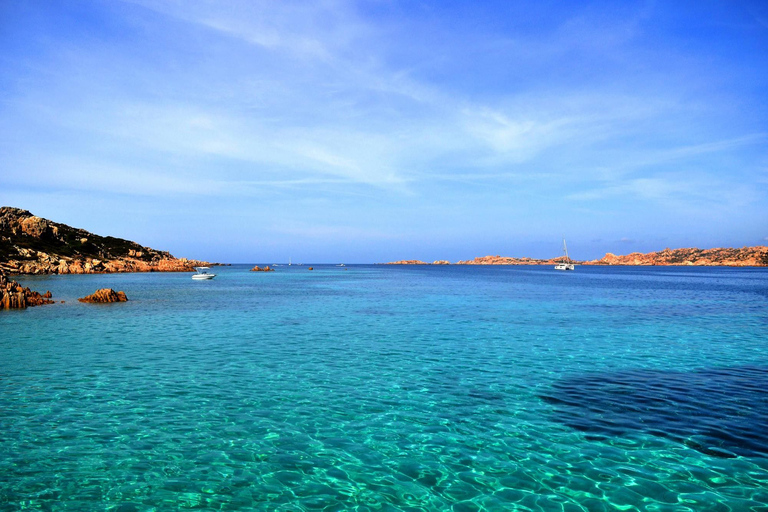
566, 265
202, 273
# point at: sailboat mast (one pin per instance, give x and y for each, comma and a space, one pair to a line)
565, 250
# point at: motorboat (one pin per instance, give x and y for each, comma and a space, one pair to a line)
202, 273
565, 265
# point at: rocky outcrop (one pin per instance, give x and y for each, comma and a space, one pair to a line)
33, 245
506, 260
15, 296
105, 295
262, 269
745, 257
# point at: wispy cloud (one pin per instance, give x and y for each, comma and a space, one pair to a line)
418, 114
693, 184
325, 231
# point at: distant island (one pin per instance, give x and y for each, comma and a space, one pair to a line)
419, 262
745, 257
33, 245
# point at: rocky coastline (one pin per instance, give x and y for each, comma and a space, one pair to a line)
15, 296
419, 262
506, 260
34, 245
756, 256
730, 257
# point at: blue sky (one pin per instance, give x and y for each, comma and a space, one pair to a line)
251, 131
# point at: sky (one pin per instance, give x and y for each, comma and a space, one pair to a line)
373, 131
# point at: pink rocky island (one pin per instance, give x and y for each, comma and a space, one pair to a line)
756, 256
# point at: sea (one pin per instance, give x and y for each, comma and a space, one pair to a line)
389, 388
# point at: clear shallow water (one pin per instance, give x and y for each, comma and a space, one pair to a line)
390, 388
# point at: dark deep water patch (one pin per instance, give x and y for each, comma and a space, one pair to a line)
721, 412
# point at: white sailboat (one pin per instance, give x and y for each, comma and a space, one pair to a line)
202, 273
566, 265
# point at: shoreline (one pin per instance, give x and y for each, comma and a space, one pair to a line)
756, 256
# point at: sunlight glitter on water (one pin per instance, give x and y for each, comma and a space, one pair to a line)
384, 388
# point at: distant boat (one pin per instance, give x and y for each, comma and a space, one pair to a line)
566, 265
202, 273
341, 265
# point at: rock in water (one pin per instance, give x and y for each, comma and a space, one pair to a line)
105, 295
262, 269
15, 296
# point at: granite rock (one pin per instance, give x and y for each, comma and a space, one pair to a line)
34, 245
104, 295
15, 296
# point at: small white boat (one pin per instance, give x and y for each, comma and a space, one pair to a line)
202, 273
341, 265
566, 265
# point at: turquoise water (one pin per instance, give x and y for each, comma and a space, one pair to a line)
390, 388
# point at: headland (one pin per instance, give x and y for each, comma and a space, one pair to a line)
34, 245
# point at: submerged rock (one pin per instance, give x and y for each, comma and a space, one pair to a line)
721, 411
104, 295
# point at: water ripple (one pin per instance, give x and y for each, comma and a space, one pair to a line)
719, 411
381, 388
